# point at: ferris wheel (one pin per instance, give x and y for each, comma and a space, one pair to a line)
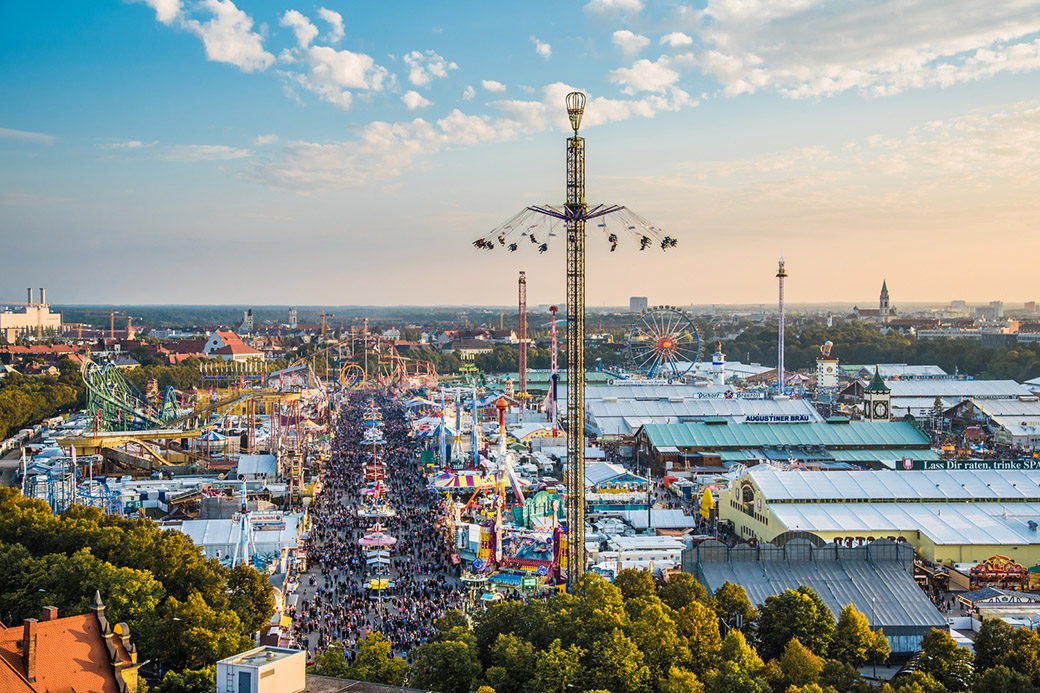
664, 343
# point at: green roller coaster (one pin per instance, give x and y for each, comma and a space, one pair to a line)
115, 405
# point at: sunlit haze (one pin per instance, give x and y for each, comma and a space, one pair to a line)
236, 151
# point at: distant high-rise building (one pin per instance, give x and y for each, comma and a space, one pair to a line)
959, 306
1030, 306
883, 304
994, 311
637, 304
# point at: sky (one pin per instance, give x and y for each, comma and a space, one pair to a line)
349, 153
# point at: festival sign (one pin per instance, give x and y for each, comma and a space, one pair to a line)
968, 465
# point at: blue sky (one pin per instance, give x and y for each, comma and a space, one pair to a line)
221, 151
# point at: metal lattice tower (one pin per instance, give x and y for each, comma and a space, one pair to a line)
576, 212
522, 375
554, 375
572, 217
781, 275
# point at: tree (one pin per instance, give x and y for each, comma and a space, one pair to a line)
699, 625
992, 644
942, 659
376, 664
187, 681
918, 682
332, 662
251, 596
735, 650
794, 614
558, 669
616, 662
1000, 679
733, 606
656, 634
1024, 654
447, 666
449, 620
634, 583
854, 643
194, 635
799, 666
681, 681
839, 676
681, 590
729, 678
513, 664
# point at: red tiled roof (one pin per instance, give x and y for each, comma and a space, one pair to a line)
187, 346
236, 348
70, 656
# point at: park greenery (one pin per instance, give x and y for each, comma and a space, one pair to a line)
632, 636
184, 610
27, 400
854, 343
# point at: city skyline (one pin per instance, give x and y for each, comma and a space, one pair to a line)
220, 152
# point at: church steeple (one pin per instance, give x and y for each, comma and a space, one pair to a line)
883, 303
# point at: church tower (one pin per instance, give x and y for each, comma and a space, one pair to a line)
883, 305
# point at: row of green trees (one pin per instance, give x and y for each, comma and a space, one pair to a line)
183, 609
854, 343
632, 636
27, 400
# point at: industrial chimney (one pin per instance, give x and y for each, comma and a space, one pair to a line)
29, 294
43, 296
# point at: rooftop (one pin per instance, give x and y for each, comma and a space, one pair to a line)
888, 485
857, 434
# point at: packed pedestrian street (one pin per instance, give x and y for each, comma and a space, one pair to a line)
377, 560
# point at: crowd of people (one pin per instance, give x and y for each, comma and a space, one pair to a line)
340, 606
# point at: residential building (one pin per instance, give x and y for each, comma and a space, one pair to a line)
74, 653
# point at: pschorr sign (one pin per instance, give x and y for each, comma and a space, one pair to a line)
776, 418
968, 465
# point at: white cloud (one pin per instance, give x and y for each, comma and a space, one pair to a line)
676, 39
629, 42
468, 93
493, 86
301, 26
608, 8
541, 48
166, 11
125, 144
39, 137
228, 36
204, 152
414, 100
425, 67
332, 74
385, 150
644, 76
812, 48
335, 21
265, 139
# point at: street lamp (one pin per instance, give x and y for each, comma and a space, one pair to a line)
873, 653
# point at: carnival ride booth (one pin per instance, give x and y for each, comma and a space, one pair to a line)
1020, 609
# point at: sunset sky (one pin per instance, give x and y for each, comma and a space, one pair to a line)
277, 152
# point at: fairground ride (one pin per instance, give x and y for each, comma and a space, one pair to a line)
540, 225
664, 343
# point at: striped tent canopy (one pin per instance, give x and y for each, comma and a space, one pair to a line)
464, 482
